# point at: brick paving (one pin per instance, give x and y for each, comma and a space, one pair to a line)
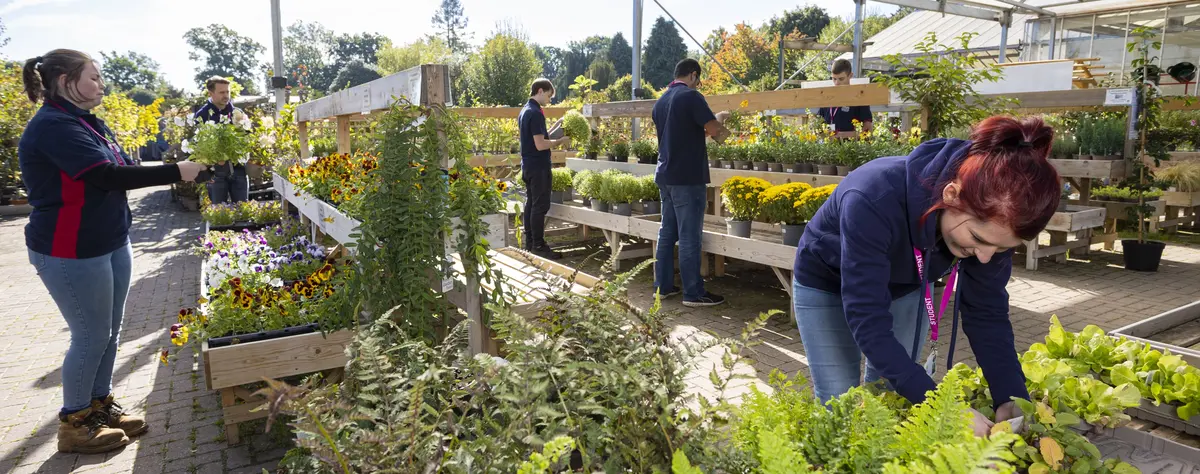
185, 428
186, 432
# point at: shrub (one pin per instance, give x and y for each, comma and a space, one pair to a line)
576, 126
586, 182
649, 188
561, 179
812, 200
782, 204
741, 196
645, 149
620, 148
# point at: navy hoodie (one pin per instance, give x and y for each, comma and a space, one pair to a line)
860, 245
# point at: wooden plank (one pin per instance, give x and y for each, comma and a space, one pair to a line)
580, 215
231, 429
865, 94
374, 95
1054, 99
551, 266
1182, 199
717, 175
434, 85
505, 112
343, 134
1076, 218
499, 161
243, 412
302, 133
1043, 252
276, 358
811, 44
1100, 169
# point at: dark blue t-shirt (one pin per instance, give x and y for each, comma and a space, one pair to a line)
844, 117
532, 122
679, 116
70, 219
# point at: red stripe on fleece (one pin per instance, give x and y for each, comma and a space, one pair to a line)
70, 218
85, 170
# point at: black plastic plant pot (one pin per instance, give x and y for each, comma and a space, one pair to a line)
1142, 256
239, 226
262, 336
617, 158
591, 155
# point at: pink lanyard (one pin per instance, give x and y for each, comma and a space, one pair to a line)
116, 151
934, 318
833, 113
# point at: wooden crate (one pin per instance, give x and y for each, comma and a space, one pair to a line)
1098, 169
1077, 220
227, 368
1182, 199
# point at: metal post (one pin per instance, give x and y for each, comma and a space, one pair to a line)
635, 133
281, 93
1125, 51
1092, 38
859, 5
1053, 34
1163, 50
780, 62
1005, 22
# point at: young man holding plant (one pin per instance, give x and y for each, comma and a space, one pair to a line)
683, 121
841, 119
535, 165
229, 182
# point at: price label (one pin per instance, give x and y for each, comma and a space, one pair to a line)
587, 110
1122, 96
366, 100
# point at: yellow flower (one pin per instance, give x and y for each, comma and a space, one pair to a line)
162, 357
745, 103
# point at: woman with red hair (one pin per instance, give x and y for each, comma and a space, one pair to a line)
865, 263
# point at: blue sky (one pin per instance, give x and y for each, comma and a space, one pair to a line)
156, 27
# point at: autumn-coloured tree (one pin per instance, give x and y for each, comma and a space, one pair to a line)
747, 54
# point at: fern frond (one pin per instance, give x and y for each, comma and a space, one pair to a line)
943, 418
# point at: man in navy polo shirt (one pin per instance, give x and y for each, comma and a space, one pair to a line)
841, 119
535, 166
229, 182
683, 120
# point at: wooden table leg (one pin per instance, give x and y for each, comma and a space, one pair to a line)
1059, 238
1031, 261
228, 399
1110, 227
785, 279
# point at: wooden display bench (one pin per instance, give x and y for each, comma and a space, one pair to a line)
717, 176
1181, 209
1076, 220
228, 368
612, 226
1119, 211
530, 278
514, 160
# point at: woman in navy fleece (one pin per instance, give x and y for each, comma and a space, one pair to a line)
951, 208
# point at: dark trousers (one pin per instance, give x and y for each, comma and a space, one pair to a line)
537, 204
229, 183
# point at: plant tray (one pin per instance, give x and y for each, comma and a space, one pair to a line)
238, 226
1180, 325
1165, 415
1149, 447
262, 335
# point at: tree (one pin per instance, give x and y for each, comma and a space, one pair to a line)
3, 36
502, 71
431, 50
364, 47
451, 23
805, 21
129, 71
620, 53
224, 53
622, 89
352, 74
603, 72
306, 56
747, 53
552, 60
143, 97
664, 49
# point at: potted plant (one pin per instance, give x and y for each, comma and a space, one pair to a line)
1110, 140
847, 151
776, 157
619, 150
781, 205
646, 151
1064, 147
741, 158
576, 126
583, 183
1141, 254
760, 155
560, 184
1085, 132
798, 157
716, 154
741, 196
826, 155
624, 189
651, 200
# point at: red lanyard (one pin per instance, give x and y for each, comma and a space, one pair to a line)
116, 150
934, 318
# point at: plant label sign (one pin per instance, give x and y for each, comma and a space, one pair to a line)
366, 99
1121, 96
587, 110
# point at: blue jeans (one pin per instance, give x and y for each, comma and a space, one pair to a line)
229, 184
834, 359
682, 222
90, 294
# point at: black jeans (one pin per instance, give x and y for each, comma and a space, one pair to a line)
537, 204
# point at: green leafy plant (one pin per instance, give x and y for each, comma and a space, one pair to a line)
620, 149
649, 189
576, 126
942, 80
586, 183
1064, 147
560, 179
228, 140
645, 149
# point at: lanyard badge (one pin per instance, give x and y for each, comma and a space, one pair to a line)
927, 299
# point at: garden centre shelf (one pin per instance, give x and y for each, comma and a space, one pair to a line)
717, 176
1181, 208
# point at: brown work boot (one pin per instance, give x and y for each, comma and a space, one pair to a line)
117, 418
85, 432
